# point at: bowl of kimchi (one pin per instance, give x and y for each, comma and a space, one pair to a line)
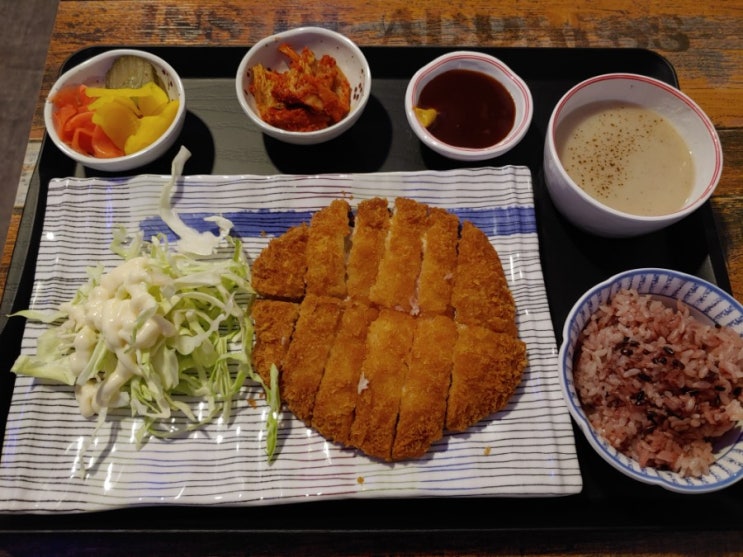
304, 86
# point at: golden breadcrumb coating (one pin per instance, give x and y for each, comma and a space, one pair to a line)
424, 394
367, 246
395, 286
383, 376
481, 295
486, 370
274, 325
304, 364
335, 403
326, 250
280, 269
400, 325
439, 262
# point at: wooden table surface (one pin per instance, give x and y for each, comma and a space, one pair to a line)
701, 40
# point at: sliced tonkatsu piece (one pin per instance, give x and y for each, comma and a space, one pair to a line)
274, 322
304, 363
481, 295
439, 262
423, 398
391, 332
279, 270
326, 250
487, 368
335, 402
371, 223
395, 285
382, 377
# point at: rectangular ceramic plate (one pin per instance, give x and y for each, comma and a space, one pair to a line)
525, 450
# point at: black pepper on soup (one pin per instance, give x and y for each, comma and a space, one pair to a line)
627, 157
472, 109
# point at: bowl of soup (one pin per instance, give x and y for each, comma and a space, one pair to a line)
627, 154
469, 106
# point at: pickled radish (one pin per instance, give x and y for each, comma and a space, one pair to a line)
117, 118
150, 128
103, 147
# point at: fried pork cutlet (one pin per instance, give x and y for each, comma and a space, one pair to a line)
398, 330
395, 285
424, 394
481, 295
382, 378
439, 262
274, 325
486, 370
335, 402
371, 224
280, 269
304, 364
326, 250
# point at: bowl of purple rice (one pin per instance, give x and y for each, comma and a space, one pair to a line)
651, 368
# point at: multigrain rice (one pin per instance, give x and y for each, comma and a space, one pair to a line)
657, 383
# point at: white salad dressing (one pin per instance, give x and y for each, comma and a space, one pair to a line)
120, 312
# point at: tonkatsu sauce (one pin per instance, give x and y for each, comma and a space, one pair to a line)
473, 109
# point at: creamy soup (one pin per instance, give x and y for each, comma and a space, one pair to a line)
627, 157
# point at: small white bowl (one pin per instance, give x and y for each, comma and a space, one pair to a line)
704, 300
320, 41
679, 110
93, 72
478, 62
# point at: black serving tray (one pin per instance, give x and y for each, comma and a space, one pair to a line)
223, 141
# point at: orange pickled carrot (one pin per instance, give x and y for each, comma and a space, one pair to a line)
77, 132
67, 96
84, 99
74, 96
82, 141
79, 120
62, 115
71, 106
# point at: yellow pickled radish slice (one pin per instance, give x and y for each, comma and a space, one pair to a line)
154, 101
150, 128
117, 119
150, 98
124, 102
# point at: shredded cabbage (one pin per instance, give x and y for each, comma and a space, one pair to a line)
158, 331
191, 241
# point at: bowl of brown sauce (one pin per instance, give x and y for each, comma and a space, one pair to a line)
626, 154
468, 105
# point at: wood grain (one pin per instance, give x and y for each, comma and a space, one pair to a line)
701, 40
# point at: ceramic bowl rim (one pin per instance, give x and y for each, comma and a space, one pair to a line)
515, 135
668, 480
666, 88
127, 161
309, 137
